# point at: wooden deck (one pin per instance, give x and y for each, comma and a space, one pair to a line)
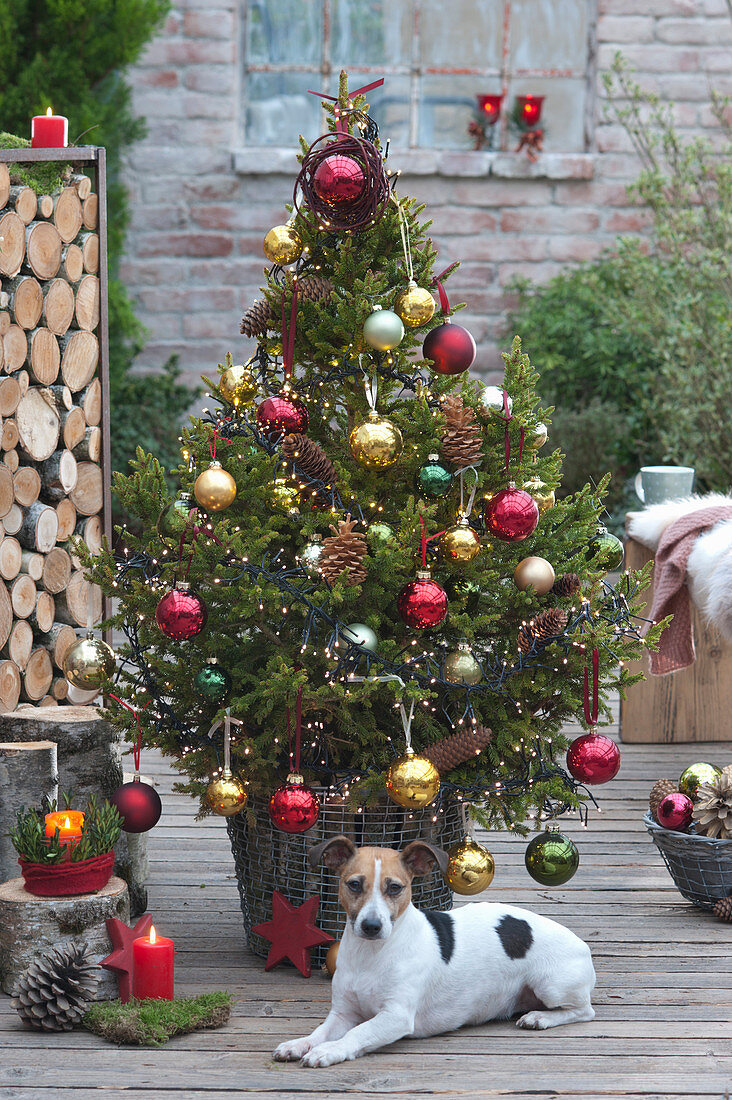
663, 998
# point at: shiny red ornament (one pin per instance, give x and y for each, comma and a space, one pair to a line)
593, 758
181, 614
139, 806
282, 415
511, 515
294, 807
423, 603
339, 179
450, 347
675, 811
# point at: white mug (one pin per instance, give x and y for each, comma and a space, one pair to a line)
657, 484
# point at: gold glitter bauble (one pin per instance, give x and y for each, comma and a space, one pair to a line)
470, 867
89, 662
331, 957
238, 386
215, 488
536, 437
461, 666
459, 544
537, 572
543, 495
283, 495
282, 245
696, 774
226, 795
377, 443
414, 305
412, 781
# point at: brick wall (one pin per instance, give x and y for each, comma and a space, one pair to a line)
194, 258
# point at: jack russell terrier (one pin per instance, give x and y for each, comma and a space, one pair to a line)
407, 972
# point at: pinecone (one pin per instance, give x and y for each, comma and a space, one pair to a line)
723, 908
260, 315
462, 439
256, 319
658, 792
462, 746
542, 629
55, 991
308, 458
568, 584
713, 806
345, 549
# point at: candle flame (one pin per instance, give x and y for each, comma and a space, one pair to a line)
153, 937
67, 823
49, 111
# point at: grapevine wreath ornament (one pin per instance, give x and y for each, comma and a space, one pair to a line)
343, 181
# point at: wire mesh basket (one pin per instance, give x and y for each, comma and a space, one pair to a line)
267, 859
701, 866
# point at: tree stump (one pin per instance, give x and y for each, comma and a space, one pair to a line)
30, 925
28, 774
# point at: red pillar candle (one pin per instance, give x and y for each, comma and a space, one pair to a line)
49, 131
152, 967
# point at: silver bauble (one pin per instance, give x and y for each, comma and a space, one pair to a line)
491, 402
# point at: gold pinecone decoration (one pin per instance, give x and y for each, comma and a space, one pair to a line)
723, 908
462, 746
55, 991
261, 314
309, 460
345, 549
568, 584
542, 629
462, 439
713, 806
658, 792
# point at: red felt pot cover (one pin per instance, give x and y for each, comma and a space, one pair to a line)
55, 880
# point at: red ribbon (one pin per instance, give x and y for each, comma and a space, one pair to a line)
591, 713
425, 540
135, 748
532, 141
298, 727
341, 125
288, 334
437, 281
507, 418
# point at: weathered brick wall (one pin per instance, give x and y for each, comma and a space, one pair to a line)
194, 258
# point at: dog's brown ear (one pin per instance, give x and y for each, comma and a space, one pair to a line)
420, 856
334, 853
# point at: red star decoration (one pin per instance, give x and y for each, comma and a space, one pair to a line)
292, 932
120, 960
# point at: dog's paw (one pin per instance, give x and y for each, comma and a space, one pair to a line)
535, 1020
326, 1054
291, 1051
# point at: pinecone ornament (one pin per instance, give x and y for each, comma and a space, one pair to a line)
462, 746
345, 549
261, 315
307, 458
567, 585
257, 318
658, 792
723, 908
55, 991
713, 806
542, 629
462, 439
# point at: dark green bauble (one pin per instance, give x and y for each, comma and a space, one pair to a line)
605, 550
213, 683
434, 479
463, 592
174, 516
551, 858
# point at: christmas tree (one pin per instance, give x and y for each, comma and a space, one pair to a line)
364, 525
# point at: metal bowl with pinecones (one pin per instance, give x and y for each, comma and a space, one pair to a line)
701, 866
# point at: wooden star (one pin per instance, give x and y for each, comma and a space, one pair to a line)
292, 932
120, 959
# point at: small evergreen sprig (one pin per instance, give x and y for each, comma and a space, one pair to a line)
100, 832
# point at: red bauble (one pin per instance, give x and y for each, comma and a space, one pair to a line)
450, 347
139, 804
675, 811
593, 758
294, 807
339, 179
181, 614
511, 515
282, 415
423, 603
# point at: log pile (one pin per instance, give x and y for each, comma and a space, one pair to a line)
51, 485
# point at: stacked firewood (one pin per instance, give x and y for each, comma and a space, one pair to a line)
51, 485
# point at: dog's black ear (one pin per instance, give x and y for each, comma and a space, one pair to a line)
334, 853
420, 856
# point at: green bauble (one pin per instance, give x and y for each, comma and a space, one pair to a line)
696, 774
212, 683
551, 858
362, 635
434, 479
174, 516
605, 550
383, 329
462, 592
461, 666
379, 533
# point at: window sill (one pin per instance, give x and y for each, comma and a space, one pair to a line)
455, 164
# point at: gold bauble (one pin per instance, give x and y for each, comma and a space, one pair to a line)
282, 245
470, 867
226, 795
331, 957
283, 495
377, 443
89, 662
461, 666
542, 494
215, 488
536, 437
459, 544
414, 305
238, 386
537, 572
412, 781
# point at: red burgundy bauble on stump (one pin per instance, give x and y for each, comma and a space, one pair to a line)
339, 179
139, 806
294, 807
423, 603
675, 811
593, 758
282, 415
181, 614
450, 347
511, 515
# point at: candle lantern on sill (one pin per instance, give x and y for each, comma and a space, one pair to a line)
528, 110
482, 126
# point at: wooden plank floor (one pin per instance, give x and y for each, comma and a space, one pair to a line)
663, 998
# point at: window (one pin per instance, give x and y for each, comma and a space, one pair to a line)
436, 56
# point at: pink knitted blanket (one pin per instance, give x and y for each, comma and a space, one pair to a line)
670, 594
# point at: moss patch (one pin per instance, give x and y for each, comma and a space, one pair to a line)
44, 178
153, 1023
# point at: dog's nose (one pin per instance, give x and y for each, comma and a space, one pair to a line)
370, 928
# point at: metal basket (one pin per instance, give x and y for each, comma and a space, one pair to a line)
701, 866
267, 859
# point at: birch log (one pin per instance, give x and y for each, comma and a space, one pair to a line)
28, 774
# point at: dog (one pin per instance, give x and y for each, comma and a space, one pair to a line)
408, 972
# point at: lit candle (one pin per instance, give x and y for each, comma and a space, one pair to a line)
152, 967
490, 106
69, 824
49, 131
530, 108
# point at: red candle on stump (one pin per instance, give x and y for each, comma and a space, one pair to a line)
49, 131
153, 967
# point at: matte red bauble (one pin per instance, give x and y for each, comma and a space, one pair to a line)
281, 415
593, 758
339, 179
294, 807
139, 806
675, 811
450, 347
423, 603
511, 515
181, 614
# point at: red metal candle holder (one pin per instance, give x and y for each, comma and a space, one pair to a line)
489, 107
529, 109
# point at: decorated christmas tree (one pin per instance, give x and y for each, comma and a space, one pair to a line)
367, 550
